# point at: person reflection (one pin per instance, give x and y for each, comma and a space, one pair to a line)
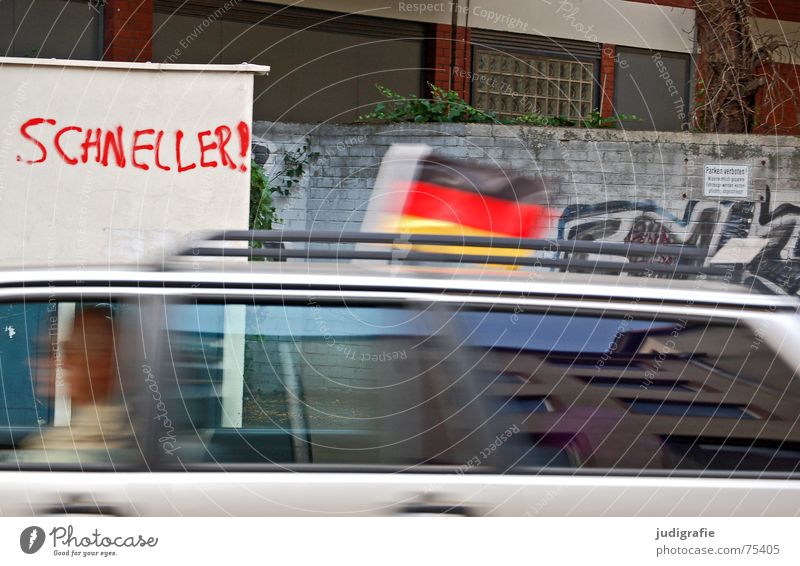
98, 423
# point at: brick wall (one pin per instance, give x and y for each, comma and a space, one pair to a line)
128, 30
607, 184
607, 75
788, 10
440, 58
777, 103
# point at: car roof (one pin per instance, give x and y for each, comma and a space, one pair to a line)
370, 275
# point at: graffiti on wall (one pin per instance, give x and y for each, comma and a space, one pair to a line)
703, 224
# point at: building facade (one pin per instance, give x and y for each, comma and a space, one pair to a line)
550, 57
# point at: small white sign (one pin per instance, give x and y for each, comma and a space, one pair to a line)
726, 180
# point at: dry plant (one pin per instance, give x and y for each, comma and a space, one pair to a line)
736, 69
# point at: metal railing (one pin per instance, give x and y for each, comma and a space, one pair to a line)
661, 259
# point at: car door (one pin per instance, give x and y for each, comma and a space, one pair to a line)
641, 409
69, 402
345, 403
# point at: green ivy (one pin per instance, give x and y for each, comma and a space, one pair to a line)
442, 106
263, 214
448, 106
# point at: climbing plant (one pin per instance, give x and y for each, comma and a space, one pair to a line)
264, 186
447, 106
734, 64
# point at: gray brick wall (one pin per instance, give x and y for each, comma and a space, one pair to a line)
600, 182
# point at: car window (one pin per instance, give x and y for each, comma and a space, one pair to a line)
315, 382
62, 401
632, 391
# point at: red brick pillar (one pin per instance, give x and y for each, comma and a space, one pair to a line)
128, 30
444, 70
607, 76
778, 102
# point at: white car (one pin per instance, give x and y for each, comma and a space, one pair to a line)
361, 387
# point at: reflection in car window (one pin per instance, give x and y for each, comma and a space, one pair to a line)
635, 392
357, 384
309, 383
61, 401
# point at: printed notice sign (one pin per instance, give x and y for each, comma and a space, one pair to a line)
726, 180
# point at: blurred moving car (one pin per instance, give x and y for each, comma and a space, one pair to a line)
356, 387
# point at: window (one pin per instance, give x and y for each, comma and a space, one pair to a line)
62, 399
653, 86
311, 383
653, 385
527, 404
517, 84
51, 28
546, 451
324, 66
680, 409
328, 383
714, 453
693, 378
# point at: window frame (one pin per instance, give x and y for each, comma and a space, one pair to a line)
545, 55
540, 46
686, 91
139, 419
265, 297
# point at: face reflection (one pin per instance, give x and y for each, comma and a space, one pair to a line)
89, 357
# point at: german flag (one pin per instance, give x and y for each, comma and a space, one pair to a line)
453, 197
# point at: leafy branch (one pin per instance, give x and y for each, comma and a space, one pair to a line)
448, 106
263, 187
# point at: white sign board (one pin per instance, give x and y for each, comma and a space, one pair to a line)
726, 180
108, 162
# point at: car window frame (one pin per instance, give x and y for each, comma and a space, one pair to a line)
155, 296
281, 297
66, 292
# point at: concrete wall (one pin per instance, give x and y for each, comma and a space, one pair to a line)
68, 197
604, 184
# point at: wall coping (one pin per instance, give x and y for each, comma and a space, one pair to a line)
534, 133
128, 66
